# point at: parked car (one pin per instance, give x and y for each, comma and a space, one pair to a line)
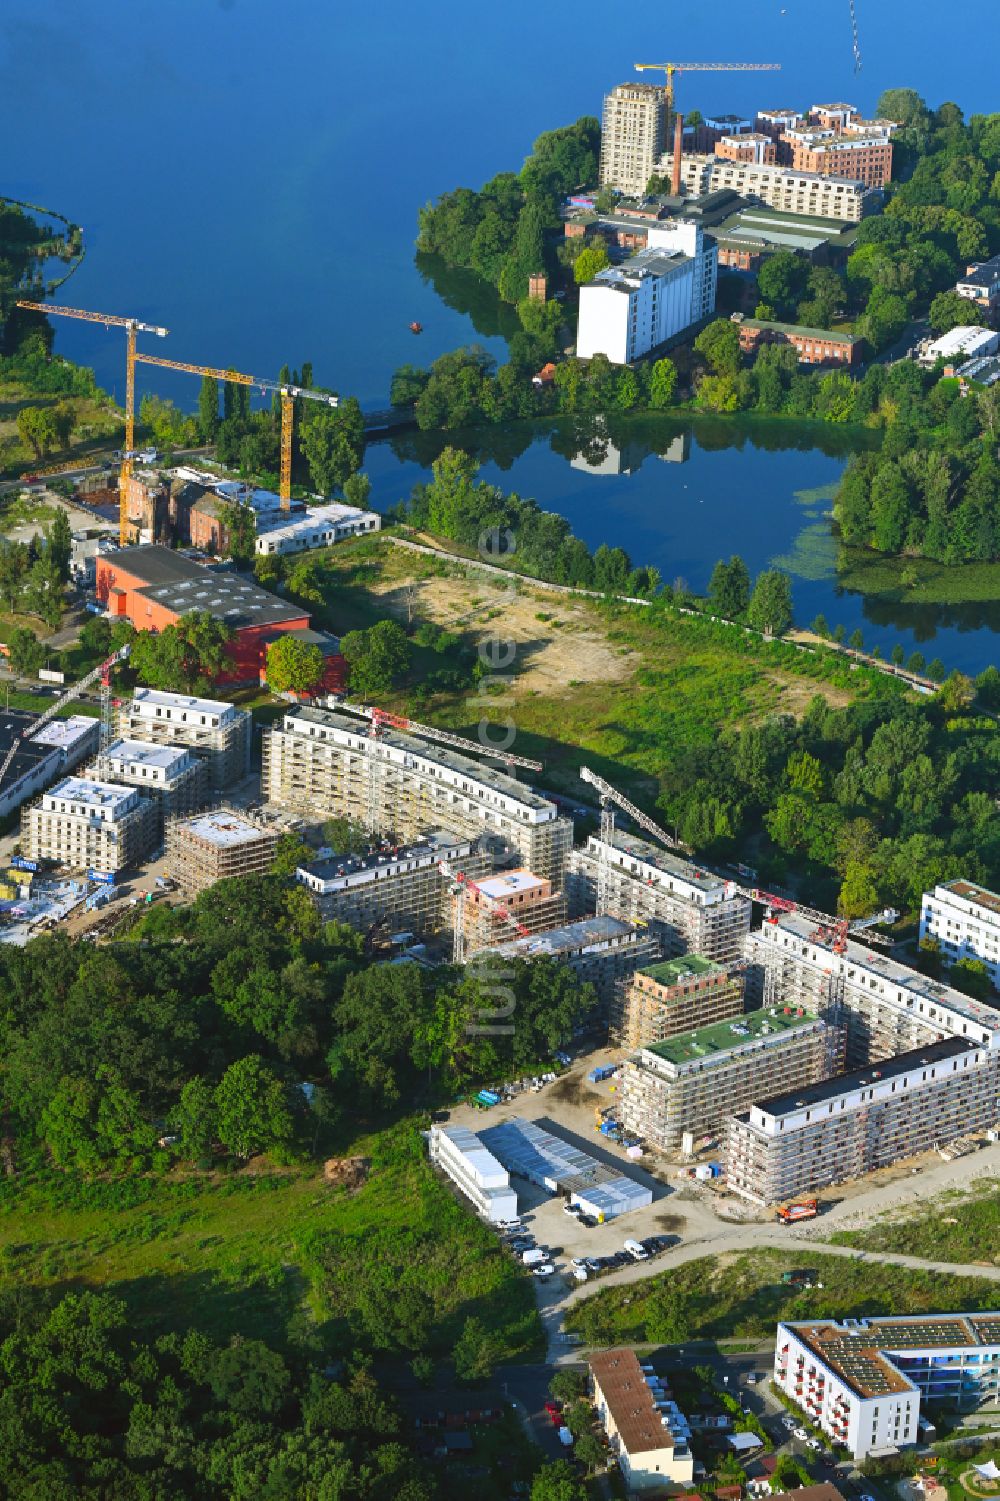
801, 1434
787, 1421
579, 1261
814, 1443
555, 1413
636, 1250
545, 1270
571, 1210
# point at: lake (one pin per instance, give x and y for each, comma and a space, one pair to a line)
681, 493
249, 175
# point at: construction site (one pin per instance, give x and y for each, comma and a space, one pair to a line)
676, 995
321, 763
217, 845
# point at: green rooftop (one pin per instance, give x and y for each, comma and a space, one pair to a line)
723, 1037
684, 967
801, 330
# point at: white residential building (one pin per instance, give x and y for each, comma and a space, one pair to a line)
628, 310
862, 1381
84, 824
966, 342
216, 731
646, 1430
965, 920
315, 526
53, 750
171, 775
475, 1171
784, 188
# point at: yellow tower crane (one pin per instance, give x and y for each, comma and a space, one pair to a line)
288, 394
669, 69
132, 326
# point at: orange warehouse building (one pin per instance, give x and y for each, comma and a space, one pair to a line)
153, 587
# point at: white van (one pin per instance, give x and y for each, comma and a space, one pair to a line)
636, 1251
535, 1256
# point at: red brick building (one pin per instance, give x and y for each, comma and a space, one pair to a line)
814, 346
153, 587
754, 147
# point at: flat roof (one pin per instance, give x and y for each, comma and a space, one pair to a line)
685, 967
640, 1424
430, 846
157, 696
723, 1037
589, 932
224, 828
229, 597
155, 564
145, 753
509, 883
860, 1351
91, 790
662, 859
800, 330
14, 722
859, 1078
524, 1148
427, 750
911, 980
970, 891
64, 733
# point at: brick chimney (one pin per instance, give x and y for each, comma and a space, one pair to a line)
675, 180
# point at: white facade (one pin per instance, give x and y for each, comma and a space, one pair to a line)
628, 310
966, 342
66, 742
475, 1171
862, 1381
83, 823
645, 1429
144, 762
784, 188
316, 526
965, 920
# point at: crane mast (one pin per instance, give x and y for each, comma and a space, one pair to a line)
380, 717
73, 691
132, 326
288, 394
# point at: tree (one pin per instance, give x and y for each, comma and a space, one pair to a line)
239, 525
357, 490
858, 891
589, 262
44, 591
408, 382
898, 654
558, 1481
956, 693
36, 426
377, 657
782, 280
332, 441
916, 662
856, 640
527, 254
820, 628
290, 851
971, 976
949, 310
26, 654
729, 588
568, 1385
988, 688
720, 344
589, 1451
476, 1352
662, 382
252, 1111
208, 408
184, 656
194, 1119
902, 105
770, 609
936, 670
294, 666
59, 543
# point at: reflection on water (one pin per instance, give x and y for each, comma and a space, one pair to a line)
679, 493
465, 292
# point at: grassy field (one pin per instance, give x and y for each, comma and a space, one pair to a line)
277, 1254
619, 688
956, 1227
95, 420
743, 1295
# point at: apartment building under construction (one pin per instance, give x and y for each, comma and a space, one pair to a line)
171, 776
674, 996
321, 764
804, 1139
216, 845
216, 732
884, 1007
694, 1082
512, 903
407, 888
691, 910
604, 951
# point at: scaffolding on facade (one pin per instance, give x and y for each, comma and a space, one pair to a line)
216, 845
